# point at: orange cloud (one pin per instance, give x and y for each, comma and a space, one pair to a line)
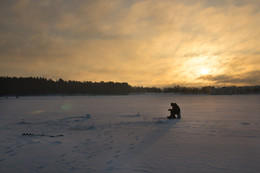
140, 42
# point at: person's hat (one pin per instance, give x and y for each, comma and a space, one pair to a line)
173, 104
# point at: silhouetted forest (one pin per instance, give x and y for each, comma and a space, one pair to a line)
32, 86
42, 86
214, 90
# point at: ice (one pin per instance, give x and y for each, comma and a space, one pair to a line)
130, 134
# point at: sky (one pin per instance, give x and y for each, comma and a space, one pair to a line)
142, 42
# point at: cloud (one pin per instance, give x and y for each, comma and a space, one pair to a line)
141, 42
250, 78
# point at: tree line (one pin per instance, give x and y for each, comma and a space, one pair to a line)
41, 86
32, 86
226, 90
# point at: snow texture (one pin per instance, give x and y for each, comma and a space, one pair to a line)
130, 134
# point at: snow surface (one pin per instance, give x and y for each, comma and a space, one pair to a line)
130, 134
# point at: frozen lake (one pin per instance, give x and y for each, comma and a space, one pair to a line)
130, 134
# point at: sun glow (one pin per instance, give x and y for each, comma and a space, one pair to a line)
205, 71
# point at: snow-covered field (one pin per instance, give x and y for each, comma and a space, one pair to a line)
130, 134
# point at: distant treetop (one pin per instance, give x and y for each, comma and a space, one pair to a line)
32, 86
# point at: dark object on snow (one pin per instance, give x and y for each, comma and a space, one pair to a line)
175, 110
31, 134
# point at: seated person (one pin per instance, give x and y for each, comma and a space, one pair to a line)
175, 110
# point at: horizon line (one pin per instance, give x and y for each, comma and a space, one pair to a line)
161, 86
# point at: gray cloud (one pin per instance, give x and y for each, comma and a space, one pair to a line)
152, 42
250, 78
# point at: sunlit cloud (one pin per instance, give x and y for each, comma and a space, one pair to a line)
140, 42
252, 78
